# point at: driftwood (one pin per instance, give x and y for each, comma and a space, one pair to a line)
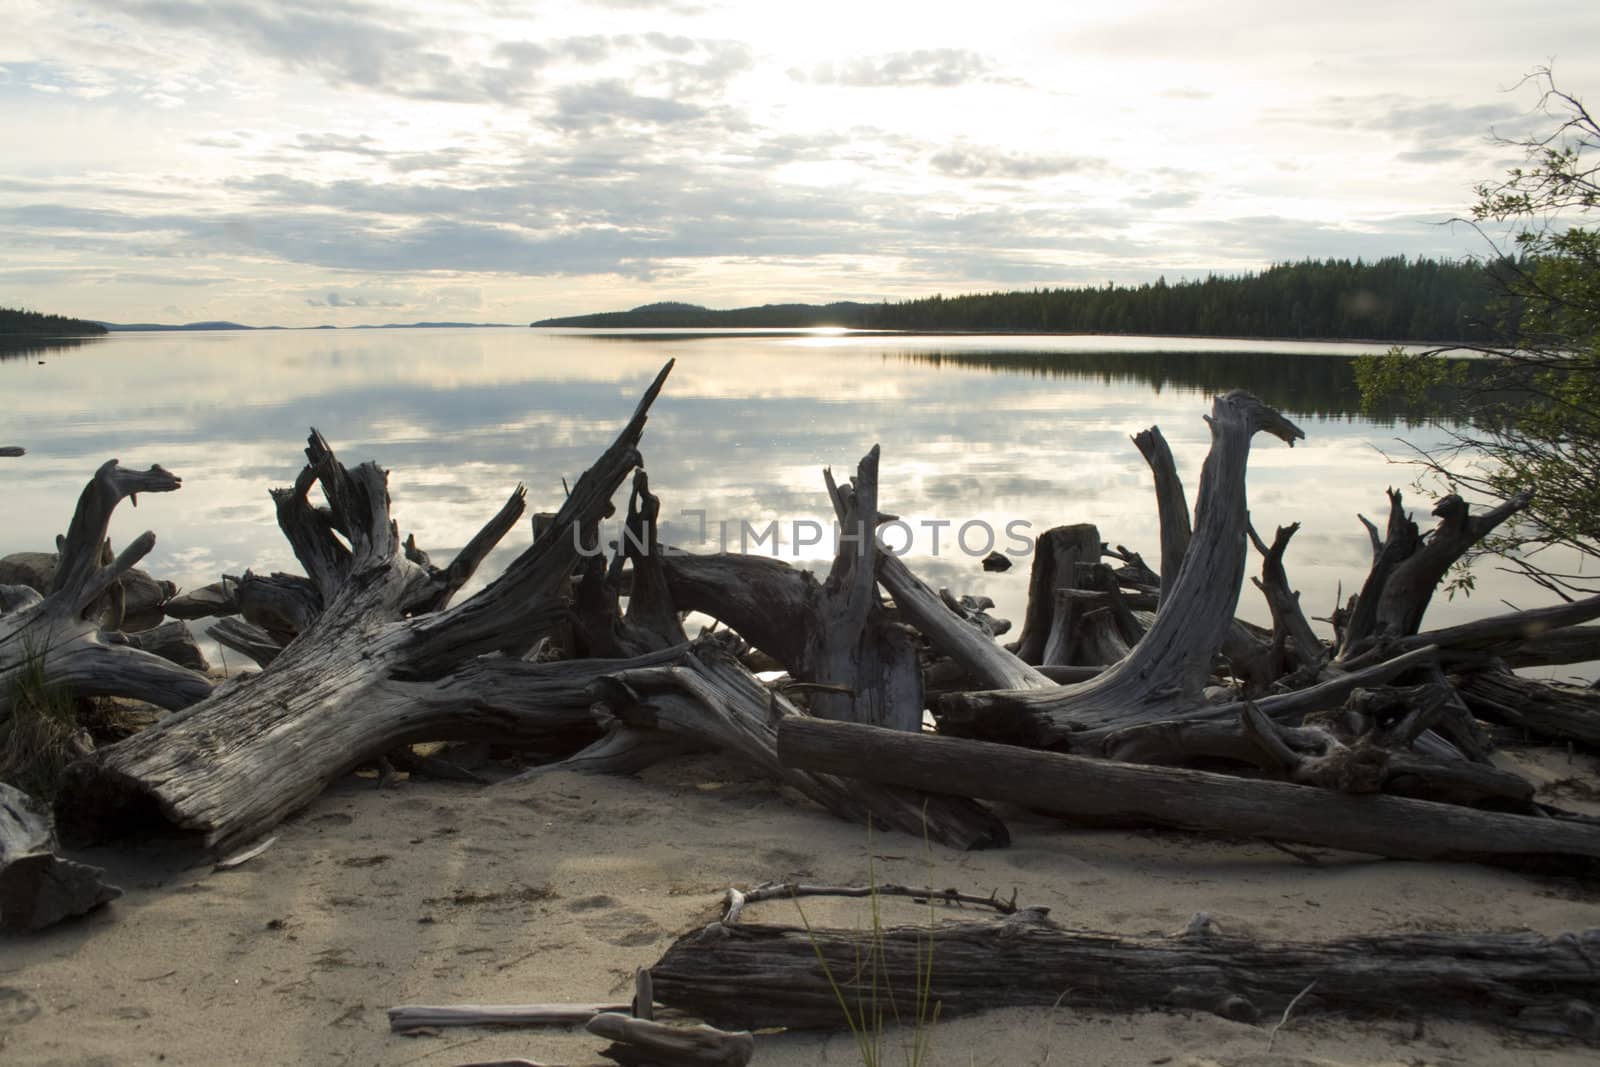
735, 900
772, 975
652, 1044
1407, 567
413, 1016
1056, 555
1392, 826
143, 598
1164, 674
1547, 712
37, 887
365, 676
710, 696
69, 635
1172, 508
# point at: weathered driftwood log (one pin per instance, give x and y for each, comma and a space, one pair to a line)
1164, 675
171, 641
67, 634
710, 696
247, 638
1547, 712
771, 975
412, 1016
1575, 644
1397, 827
37, 887
1349, 750
954, 633
1481, 639
366, 676
646, 1043
214, 600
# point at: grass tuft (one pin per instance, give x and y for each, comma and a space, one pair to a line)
39, 733
871, 988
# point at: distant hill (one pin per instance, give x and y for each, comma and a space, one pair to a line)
1391, 299
152, 327
673, 315
16, 322
148, 327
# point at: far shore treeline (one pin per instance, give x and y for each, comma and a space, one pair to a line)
1391, 299
15, 321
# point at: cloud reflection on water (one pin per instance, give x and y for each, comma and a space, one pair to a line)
996, 429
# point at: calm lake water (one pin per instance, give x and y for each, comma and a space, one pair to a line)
1001, 430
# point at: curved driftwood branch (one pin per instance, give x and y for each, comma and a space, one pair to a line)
1172, 507
68, 633
1294, 642
1164, 674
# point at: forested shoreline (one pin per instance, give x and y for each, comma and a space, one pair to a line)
16, 321
1390, 299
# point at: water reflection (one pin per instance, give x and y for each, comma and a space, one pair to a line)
1036, 433
1319, 385
14, 347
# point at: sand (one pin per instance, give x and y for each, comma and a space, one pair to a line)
557, 889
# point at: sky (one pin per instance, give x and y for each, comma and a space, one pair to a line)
300, 162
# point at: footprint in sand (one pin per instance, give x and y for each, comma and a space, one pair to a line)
16, 1006
624, 928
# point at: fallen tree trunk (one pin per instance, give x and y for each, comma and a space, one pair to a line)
710, 697
768, 975
1548, 712
1186, 799
37, 887
366, 675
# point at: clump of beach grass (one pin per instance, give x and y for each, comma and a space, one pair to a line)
39, 730
874, 1004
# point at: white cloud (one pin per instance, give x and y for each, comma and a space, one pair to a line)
290, 159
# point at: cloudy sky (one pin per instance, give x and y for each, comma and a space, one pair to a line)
359, 161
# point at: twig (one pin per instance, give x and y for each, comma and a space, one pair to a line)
734, 900
1273, 1036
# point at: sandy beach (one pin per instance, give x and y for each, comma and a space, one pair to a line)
556, 889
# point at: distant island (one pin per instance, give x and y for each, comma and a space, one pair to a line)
674, 315
1391, 299
17, 322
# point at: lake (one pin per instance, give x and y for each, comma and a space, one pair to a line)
1021, 431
